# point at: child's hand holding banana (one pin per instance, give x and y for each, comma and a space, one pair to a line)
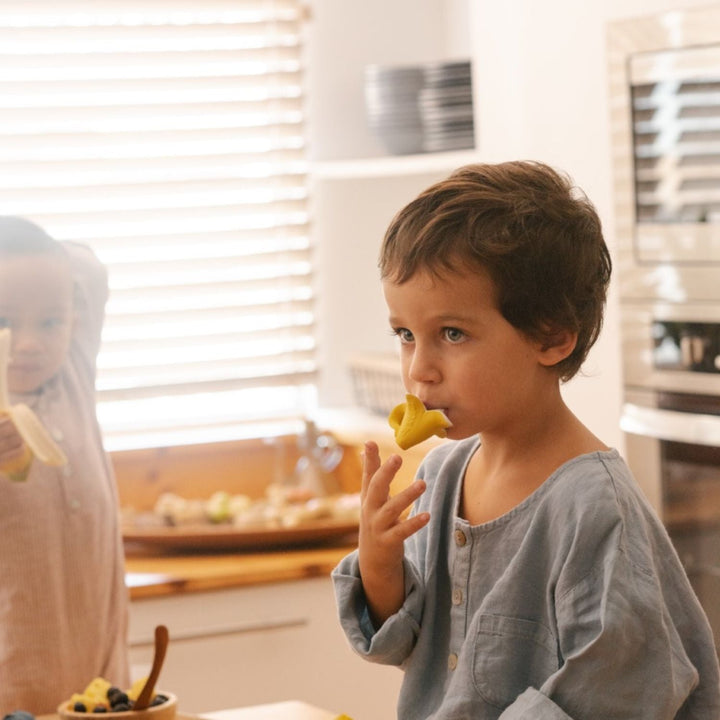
22, 435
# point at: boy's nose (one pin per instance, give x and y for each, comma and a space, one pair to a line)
423, 367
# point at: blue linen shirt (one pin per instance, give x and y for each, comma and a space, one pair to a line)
573, 605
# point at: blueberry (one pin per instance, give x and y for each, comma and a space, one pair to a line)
118, 698
120, 707
159, 700
79, 707
99, 709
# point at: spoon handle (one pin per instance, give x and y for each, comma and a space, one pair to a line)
161, 643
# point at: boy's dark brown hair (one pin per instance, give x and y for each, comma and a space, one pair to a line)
536, 234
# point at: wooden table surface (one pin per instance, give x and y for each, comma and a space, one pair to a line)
150, 575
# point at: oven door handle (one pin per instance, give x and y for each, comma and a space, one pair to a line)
684, 427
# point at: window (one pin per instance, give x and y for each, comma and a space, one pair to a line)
169, 136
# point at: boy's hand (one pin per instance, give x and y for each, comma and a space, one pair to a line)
11, 442
15, 457
383, 530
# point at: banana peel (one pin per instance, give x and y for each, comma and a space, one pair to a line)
414, 424
38, 442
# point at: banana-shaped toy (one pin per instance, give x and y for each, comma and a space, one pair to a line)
413, 423
38, 442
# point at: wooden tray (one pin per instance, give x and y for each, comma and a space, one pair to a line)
218, 537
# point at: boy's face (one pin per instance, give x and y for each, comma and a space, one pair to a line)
460, 355
37, 304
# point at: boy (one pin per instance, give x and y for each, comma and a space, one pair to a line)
532, 579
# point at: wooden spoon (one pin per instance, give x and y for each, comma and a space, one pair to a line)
146, 694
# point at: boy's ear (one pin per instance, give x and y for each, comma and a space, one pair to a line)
556, 346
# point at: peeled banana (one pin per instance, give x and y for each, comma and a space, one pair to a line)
37, 441
413, 423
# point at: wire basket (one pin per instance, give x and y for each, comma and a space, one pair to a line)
377, 382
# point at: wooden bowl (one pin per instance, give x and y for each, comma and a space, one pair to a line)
166, 711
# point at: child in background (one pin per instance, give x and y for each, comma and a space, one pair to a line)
532, 579
63, 600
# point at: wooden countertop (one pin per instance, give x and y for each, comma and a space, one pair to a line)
152, 575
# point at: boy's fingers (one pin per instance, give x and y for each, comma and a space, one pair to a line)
371, 463
378, 487
404, 529
400, 502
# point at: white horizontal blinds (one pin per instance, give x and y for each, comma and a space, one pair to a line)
169, 136
676, 132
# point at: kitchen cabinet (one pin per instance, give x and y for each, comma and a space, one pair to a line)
260, 644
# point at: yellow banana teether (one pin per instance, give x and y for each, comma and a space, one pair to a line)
413, 423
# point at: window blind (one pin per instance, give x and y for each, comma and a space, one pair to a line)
169, 136
676, 134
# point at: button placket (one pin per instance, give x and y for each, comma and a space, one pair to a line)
459, 574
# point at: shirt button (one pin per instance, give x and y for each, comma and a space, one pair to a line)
452, 661
457, 596
74, 504
57, 434
460, 538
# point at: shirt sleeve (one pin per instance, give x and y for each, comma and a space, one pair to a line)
394, 641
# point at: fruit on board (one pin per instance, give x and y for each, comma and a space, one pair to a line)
100, 695
413, 423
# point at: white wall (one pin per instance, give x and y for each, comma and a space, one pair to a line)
541, 93
345, 36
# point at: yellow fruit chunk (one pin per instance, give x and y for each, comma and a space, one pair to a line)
413, 423
136, 688
86, 700
97, 689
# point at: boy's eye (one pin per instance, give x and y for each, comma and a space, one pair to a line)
404, 334
453, 334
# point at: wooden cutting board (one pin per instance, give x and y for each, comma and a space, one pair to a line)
92, 716
289, 710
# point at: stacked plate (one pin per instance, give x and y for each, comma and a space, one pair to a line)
421, 108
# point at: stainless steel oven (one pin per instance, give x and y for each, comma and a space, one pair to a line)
664, 76
671, 421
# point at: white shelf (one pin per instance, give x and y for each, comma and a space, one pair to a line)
392, 165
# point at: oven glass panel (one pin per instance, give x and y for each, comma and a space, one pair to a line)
691, 507
689, 346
